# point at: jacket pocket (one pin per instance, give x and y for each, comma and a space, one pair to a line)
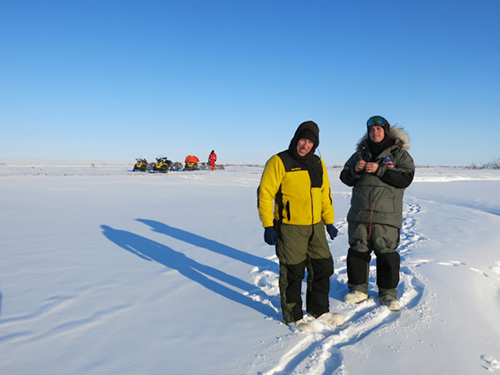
385, 205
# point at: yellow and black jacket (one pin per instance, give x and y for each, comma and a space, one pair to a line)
294, 193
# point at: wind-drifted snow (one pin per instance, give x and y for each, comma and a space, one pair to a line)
106, 271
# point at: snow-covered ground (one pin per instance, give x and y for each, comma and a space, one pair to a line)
106, 271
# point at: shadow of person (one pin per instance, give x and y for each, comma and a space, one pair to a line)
208, 244
150, 250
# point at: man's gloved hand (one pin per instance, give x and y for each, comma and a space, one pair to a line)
332, 231
270, 236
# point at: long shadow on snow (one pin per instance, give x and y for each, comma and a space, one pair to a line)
150, 250
208, 244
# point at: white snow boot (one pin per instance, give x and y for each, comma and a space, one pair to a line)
301, 325
333, 319
391, 303
355, 296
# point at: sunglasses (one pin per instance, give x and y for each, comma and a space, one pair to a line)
376, 120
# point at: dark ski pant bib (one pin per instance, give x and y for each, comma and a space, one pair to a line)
383, 240
302, 247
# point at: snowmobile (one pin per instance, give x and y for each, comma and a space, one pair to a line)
162, 165
176, 166
204, 166
140, 165
191, 163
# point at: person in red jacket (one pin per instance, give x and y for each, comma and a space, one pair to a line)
212, 158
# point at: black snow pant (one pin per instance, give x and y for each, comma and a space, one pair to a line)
302, 247
383, 240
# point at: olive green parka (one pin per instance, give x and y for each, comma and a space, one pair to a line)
377, 198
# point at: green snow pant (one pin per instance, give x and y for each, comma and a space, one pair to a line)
302, 247
383, 240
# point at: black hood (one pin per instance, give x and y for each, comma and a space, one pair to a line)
310, 126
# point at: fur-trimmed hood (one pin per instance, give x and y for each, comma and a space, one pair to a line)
401, 139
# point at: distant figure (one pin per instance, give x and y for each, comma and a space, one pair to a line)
212, 158
379, 172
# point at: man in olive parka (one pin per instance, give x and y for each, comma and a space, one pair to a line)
379, 172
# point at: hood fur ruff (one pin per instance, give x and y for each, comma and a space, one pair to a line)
402, 140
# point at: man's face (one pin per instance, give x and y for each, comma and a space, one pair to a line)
377, 133
304, 146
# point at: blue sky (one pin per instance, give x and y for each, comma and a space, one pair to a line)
113, 80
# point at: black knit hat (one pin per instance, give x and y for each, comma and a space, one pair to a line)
307, 134
379, 121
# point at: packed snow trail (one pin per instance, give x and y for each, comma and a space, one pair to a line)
321, 352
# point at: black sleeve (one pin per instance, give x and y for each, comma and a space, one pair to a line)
398, 178
402, 175
347, 177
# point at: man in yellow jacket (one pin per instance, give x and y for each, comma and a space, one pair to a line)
295, 204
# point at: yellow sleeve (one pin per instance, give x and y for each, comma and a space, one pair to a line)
269, 185
327, 211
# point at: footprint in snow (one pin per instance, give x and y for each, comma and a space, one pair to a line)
490, 363
496, 267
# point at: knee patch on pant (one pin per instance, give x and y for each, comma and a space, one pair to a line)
322, 268
388, 270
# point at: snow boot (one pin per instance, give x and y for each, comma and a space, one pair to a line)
301, 325
391, 303
333, 319
355, 296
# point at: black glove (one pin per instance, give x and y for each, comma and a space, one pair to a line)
270, 236
332, 231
